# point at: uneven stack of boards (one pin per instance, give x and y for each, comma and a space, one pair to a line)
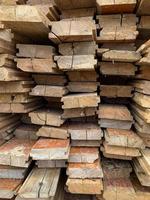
75, 99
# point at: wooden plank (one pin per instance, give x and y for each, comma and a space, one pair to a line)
143, 8
143, 73
85, 170
142, 99
26, 20
86, 143
78, 48
84, 186
80, 100
35, 51
16, 152
47, 117
51, 164
142, 86
115, 91
49, 91
37, 65
77, 76
50, 149
144, 27
74, 31
82, 87
117, 6
45, 184
76, 62
83, 155
117, 69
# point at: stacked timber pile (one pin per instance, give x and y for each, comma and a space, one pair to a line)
116, 36
74, 34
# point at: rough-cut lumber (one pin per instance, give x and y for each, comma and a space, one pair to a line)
82, 87
9, 187
46, 117
144, 27
76, 62
115, 91
84, 186
53, 132
77, 76
80, 100
84, 131
86, 143
46, 79
72, 31
123, 138
45, 183
34, 51
83, 155
117, 69
7, 60
37, 65
121, 56
79, 112
26, 20
51, 163
16, 152
49, 91
26, 132
144, 73
66, 5
114, 169
50, 149
114, 116
142, 99
117, 6
85, 170
78, 48
143, 7
142, 86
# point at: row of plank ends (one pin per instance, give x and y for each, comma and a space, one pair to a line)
72, 31
35, 51
50, 149
47, 117
27, 132
114, 116
78, 48
83, 155
85, 170
80, 100
84, 186
45, 182
26, 20
114, 7
76, 62
16, 152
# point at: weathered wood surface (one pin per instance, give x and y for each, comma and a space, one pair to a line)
86, 143
9, 187
84, 131
114, 116
114, 169
76, 62
55, 80
144, 73
84, 186
45, 183
72, 31
142, 99
77, 76
115, 91
51, 163
26, 132
79, 112
142, 86
123, 138
144, 47
117, 6
53, 132
47, 117
85, 170
16, 152
82, 87
80, 100
49, 91
26, 20
117, 69
78, 48
143, 8
121, 56
83, 155
35, 51
144, 27
7, 60
50, 149
35, 65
